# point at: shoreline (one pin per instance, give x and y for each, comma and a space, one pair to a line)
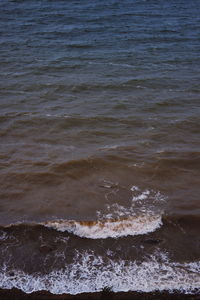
16, 294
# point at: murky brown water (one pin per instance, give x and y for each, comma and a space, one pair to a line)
99, 146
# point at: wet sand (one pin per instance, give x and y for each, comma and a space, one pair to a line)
16, 294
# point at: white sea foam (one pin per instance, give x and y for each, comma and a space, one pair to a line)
3, 235
134, 188
110, 147
109, 228
143, 196
117, 220
90, 273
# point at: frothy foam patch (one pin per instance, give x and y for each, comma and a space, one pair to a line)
3, 235
149, 195
89, 273
109, 228
139, 217
142, 202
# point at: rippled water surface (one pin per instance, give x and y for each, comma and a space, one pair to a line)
100, 145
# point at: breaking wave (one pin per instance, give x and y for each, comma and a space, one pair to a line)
90, 273
108, 228
140, 216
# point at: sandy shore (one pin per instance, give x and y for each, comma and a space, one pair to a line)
105, 295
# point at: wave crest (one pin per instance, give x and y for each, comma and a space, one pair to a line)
108, 228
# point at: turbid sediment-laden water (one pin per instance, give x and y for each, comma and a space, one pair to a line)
100, 145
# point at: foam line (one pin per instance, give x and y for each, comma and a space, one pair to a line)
90, 273
108, 228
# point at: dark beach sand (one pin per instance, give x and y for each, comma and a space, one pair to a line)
19, 295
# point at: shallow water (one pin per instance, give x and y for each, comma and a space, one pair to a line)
99, 145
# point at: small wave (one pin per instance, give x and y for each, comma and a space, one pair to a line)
91, 273
108, 228
142, 214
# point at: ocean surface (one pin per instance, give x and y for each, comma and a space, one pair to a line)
100, 145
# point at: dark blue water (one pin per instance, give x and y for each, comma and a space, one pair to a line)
99, 140
98, 54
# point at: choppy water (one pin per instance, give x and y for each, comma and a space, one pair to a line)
100, 145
